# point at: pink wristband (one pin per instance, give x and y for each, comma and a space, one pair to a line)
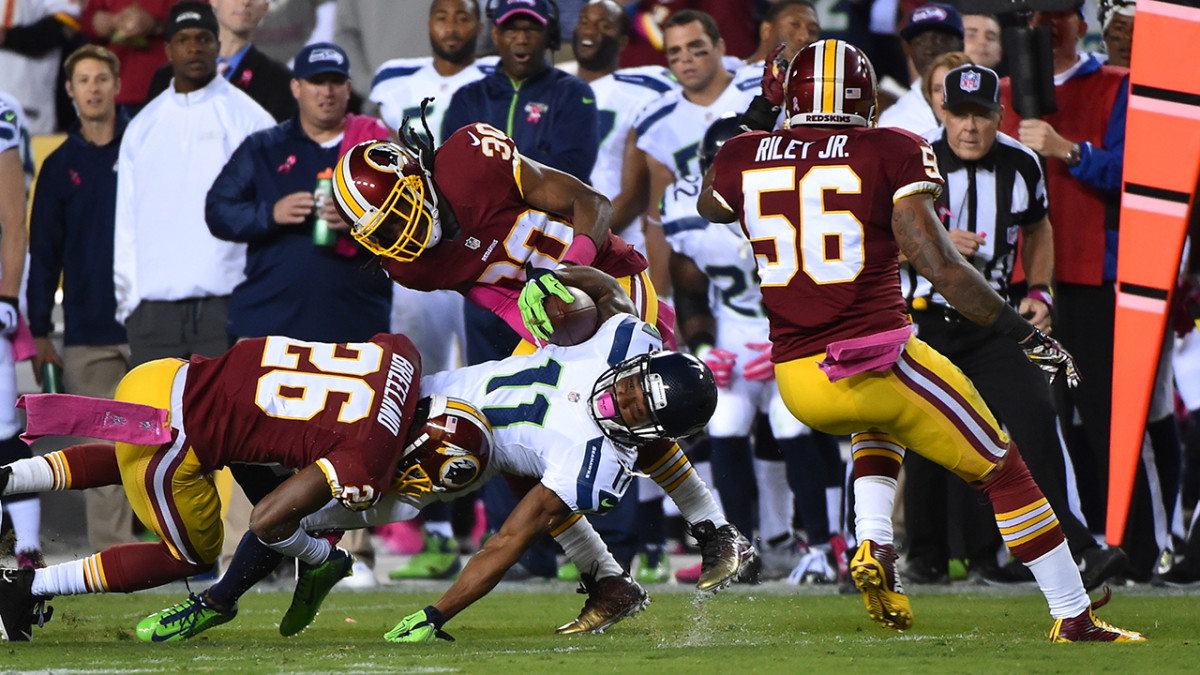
1039, 294
582, 250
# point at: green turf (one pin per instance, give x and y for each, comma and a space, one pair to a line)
745, 631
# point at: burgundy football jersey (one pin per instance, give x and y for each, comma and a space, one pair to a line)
477, 170
816, 205
275, 399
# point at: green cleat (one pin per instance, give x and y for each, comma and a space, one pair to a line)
437, 560
653, 571
311, 588
185, 620
568, 572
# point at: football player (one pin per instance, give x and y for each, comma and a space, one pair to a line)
337, 413
469, 218
724, 323
828, 204
575, 416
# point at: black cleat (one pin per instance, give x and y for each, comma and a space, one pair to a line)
19, 607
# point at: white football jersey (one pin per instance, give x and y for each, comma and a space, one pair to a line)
537, 405
721, 253
670, 129
619, 97
401, 84
14, 133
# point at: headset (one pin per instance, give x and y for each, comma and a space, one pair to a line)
553, 31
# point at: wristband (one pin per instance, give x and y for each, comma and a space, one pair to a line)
1011, 324
435, 617
760, 115
15, 302
1043, 293
582, 251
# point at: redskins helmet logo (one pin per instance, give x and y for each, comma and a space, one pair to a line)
459, 472
385, 157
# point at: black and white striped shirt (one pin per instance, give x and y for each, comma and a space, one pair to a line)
994, 196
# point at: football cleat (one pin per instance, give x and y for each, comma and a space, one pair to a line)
185, 620
725, 555
609, 600
313, 584
816, 566
874, 572
653, 568
1087, 628
1097, 565
437, 560
19, 607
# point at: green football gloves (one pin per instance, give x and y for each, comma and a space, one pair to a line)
422, 626
541, 284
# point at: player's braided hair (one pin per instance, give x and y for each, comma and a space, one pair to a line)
422, 149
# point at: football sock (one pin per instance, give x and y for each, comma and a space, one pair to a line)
304, 547
440, 527
833, 508
26, 515
124, 568
584, 547
877, 459
733, 475
78, 467
805, 474
1027, 523
675, 475
774, 499
1058, 578
252, 562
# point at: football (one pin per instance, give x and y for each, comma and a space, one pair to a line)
573, 322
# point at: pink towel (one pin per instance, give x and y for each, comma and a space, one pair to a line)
873, 353
69, 415
22, 341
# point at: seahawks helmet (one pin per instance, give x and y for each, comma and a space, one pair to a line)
725, 128
680, 395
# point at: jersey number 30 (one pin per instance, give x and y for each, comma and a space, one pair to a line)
830, 243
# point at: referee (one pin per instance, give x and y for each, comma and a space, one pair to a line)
995, 195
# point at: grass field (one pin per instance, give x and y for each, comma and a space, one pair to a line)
769, 629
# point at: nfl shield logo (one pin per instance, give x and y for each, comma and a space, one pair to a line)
969, 81
472, 243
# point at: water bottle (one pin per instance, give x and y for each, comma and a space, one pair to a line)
51, 378
322, 235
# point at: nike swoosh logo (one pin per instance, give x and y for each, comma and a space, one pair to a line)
589, 101
474, 139
162, 638
604, 502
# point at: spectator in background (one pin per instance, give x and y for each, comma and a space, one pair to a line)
552, 118
792, 21
30, 56
264, 79
291, 24
375, 31
71, 235
647, 44
933, 30
16, 170
1116, 25
298, 285
981, 39
133, 30
1083, 146
172, 277
933, 84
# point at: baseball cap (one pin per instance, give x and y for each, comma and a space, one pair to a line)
538, 10
933, 16
319, 58
972, 85
190, 14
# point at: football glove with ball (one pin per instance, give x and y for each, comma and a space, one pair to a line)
541, 284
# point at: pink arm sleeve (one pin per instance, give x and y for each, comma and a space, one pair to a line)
503, 303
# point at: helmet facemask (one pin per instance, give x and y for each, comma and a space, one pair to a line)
607, 413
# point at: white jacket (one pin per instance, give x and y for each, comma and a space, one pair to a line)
170, 154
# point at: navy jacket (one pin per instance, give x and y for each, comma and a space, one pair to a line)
71, 234
552, 116
292, 287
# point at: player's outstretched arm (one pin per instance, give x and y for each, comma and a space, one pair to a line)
692, 312
711, 207
610, 298
277, 516
536, 514
591, 213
